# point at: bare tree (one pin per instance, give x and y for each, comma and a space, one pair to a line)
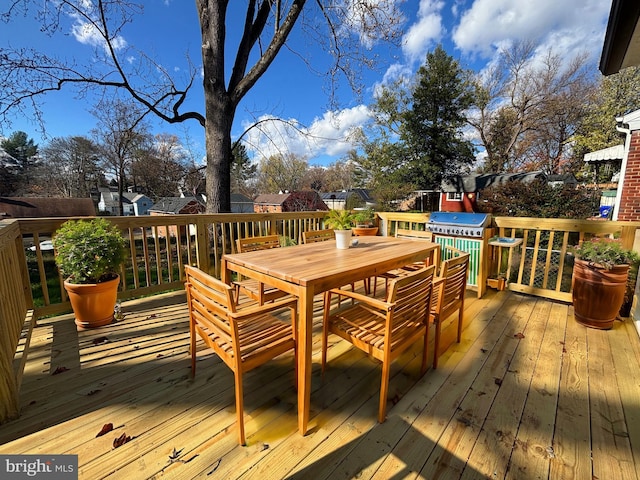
519, 97
120, 133
280, 173
70, 166
159, 166
350, 28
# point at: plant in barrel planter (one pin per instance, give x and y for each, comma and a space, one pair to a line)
89, 253
599, 281
340, 221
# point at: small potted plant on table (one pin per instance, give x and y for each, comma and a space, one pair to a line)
340, 221
89, 253
599, 281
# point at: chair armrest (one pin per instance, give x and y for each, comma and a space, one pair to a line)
373, 302
267, 307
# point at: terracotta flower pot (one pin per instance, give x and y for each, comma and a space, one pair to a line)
362, 231
598, 293
93, 303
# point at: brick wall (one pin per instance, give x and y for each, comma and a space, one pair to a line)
630, 199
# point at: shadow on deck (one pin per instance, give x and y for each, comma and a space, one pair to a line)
528, 393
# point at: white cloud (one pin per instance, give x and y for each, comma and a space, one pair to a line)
328, 135
568, 25
87, 33
427, 29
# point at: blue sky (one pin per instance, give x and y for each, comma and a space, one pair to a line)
470, 30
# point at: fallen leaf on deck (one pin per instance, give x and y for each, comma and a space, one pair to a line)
121, 440
59, 370
106, 428
519, 335
93, 392
98, 341
497, 381
175, 455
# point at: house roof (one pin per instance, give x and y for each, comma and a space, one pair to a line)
240, 198
612, 153
475, 183
173, 204
111, 198
363, 193
29, 207
271, 198
621, 47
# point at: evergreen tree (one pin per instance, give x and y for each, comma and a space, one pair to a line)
242, 171
432, 128
20, 163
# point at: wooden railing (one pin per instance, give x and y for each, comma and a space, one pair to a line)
543, 265
15, 318
158, 249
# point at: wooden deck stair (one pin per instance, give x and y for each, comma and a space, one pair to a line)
528, 393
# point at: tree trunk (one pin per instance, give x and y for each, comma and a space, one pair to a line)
218, 144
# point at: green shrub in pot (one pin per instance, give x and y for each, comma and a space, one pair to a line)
89, 254
605, 252
89, 251
600, 281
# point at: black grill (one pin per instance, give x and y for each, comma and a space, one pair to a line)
459, 224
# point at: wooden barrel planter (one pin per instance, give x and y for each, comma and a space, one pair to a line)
598, 293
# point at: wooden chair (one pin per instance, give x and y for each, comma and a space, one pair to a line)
254, 289
448, 294
383, 328
243, 338
417, 235
313, 236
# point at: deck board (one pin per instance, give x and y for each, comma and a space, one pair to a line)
517, 398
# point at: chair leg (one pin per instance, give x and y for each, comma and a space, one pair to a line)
325, 329
425, 355
192, 346
239, 408
436, 344
384, 388
460, 315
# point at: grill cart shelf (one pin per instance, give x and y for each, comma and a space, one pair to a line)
499, 278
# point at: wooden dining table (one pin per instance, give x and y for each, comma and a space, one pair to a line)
310, 269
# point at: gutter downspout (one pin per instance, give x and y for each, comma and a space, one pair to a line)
623, 169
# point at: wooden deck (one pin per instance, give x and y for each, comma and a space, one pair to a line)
527, 394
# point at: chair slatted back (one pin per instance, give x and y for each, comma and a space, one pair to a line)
411, 296
414, 234
251, 244
312, 236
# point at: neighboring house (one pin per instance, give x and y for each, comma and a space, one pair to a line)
460, 194
627, 202
621, 46
176, 206
132, 203
31, 207
241, 203
141, 203
299, 201
358, 197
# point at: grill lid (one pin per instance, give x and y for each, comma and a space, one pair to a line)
466, 219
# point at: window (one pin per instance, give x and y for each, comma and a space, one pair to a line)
454, 196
